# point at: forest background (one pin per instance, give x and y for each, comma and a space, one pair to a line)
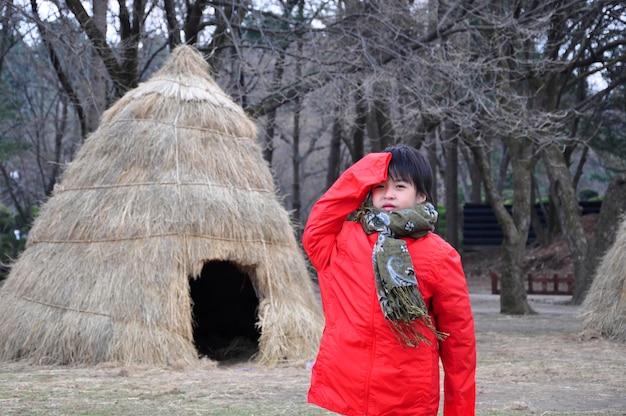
514, 102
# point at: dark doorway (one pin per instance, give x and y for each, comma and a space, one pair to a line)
224, 307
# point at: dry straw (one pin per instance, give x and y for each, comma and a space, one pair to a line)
171, 179
604, 308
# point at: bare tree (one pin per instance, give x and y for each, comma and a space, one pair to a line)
500, 82
588, 45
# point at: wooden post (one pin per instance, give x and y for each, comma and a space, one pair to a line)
494, 283
555, 279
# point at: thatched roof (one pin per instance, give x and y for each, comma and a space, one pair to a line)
171, 179
604, 308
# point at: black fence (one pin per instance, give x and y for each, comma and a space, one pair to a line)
481, 229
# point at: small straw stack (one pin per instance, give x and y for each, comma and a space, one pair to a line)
604, 308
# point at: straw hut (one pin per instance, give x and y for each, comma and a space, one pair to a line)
163, 241
604, 308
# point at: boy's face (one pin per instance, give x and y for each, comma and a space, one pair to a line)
393, 195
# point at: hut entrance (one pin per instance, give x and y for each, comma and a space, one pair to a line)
224, 307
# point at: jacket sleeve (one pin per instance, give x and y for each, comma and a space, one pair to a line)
342, 198
453, 313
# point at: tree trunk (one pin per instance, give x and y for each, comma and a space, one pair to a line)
477, 182
540, 230
452, 184
568, 214
62, 75
123, 75
357, 146
295, 153
613, 207
97, 104
431, 147
513, 298
334, 153
295, 163
384, 123
270, 125
379, 126
502, 169
472, 189
173, 27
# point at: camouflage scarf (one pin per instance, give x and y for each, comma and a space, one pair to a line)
396, 283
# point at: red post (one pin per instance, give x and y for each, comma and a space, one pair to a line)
494, 283
570, 284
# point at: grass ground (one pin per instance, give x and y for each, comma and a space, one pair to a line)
527, 365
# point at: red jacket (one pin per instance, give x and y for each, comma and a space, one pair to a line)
361, 368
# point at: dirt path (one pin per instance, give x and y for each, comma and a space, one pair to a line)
527, 365
539, 365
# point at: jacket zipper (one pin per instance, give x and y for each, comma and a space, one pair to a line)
371, 361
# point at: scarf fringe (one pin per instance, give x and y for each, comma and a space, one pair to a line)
409, 307
410, 336
406, 304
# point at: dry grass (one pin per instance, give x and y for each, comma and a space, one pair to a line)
604, 308
527, 365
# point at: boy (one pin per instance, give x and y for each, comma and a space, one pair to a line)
394, 295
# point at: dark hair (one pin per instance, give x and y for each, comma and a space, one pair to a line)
408, 164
